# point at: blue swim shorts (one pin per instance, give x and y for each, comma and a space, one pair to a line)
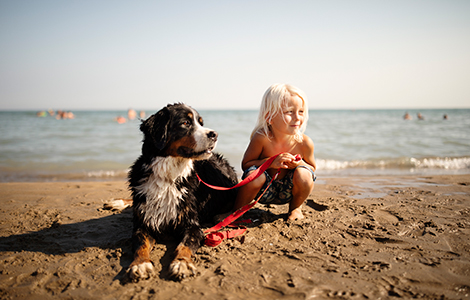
280, 191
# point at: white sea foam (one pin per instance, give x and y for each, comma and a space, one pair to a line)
107, 174
443, 163
450, 163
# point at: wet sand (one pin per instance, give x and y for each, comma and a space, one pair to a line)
362, 238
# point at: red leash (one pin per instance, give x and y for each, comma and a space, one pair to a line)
255, 174
214, 237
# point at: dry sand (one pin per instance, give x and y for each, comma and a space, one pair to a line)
362, 238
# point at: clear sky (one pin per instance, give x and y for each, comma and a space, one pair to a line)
224, 54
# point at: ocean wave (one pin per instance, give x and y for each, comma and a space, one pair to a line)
447, 163
107, 174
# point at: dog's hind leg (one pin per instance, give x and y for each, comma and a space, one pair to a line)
142, 267
182, 264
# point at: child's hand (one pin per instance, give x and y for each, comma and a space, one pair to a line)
295, 162
287, 161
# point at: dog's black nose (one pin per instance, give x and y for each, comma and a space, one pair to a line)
212, 135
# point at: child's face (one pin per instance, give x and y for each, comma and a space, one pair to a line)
290, 119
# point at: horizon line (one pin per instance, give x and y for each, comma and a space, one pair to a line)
227, 109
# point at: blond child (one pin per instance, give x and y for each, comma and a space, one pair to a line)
280, 128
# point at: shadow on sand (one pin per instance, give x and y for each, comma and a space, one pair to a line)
109, 232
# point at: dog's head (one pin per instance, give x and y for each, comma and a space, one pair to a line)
177, 130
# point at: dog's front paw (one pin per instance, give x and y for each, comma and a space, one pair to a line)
140, 271
182, 268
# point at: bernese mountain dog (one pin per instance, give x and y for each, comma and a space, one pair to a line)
167, 197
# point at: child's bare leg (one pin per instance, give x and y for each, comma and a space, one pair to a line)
303, 185
248, 192
245, 194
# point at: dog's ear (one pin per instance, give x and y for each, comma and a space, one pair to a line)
156, 128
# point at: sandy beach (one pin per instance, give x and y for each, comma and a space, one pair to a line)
362, 238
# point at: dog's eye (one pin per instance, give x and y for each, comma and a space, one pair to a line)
186, 123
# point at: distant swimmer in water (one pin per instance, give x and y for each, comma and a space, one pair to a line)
131, 114
445, 117
407, 116
420, 116
63, 115
121, 120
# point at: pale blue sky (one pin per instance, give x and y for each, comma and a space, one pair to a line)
224, 54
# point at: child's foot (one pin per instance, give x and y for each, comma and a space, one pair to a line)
295, 214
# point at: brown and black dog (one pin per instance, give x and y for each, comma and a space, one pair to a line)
167, 196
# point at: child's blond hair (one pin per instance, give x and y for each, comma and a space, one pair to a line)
274, 100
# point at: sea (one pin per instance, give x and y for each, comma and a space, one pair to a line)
94, 146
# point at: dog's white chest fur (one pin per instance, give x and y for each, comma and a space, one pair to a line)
161, 192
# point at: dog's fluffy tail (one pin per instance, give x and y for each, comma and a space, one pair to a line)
118, 204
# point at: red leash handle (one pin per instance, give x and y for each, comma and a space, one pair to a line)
215, 238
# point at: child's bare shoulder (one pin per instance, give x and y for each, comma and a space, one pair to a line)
307, 141
259, 138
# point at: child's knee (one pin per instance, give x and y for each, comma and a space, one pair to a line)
258, 182
303, 177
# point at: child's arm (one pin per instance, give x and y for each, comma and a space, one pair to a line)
308, 150
253, 152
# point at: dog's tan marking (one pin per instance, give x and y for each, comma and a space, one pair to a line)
187, 141
142, 266
182, 265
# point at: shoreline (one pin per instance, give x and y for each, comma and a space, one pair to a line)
121, 175
362, 238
